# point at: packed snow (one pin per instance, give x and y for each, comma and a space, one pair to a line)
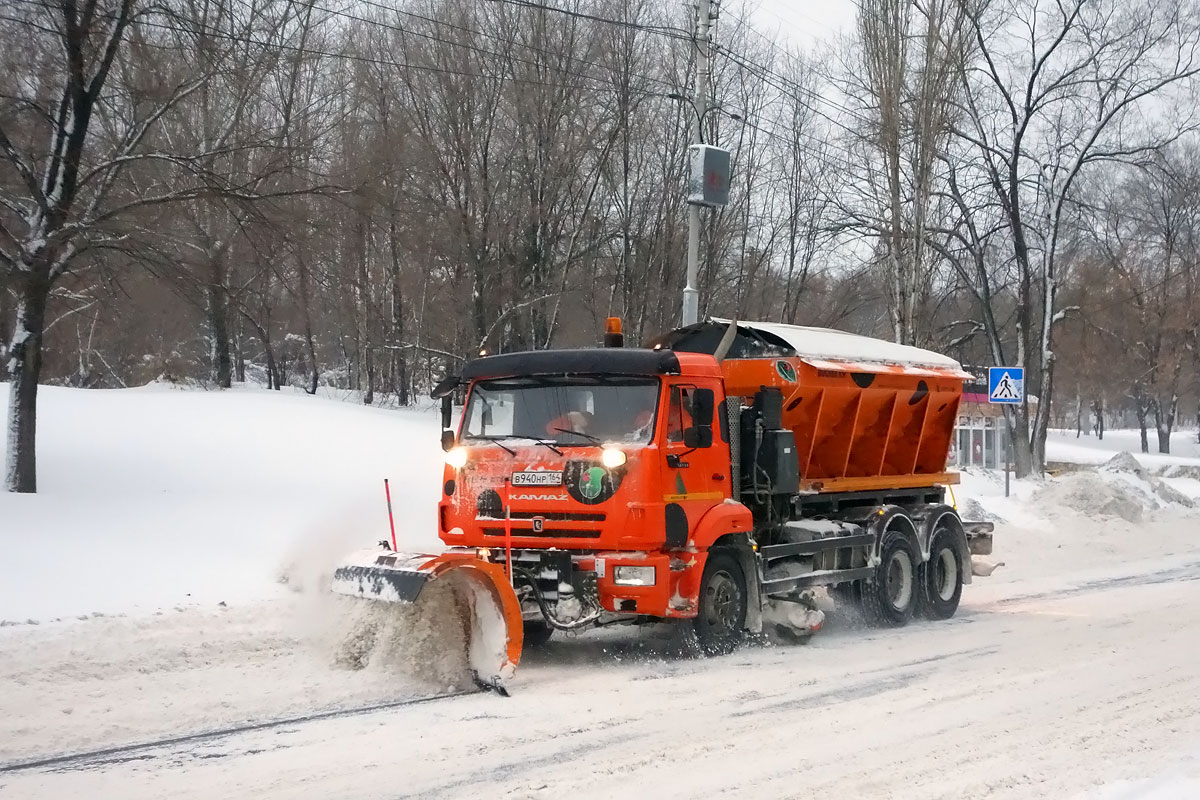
164, 584
822, 344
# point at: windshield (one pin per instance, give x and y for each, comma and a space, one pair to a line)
574, 410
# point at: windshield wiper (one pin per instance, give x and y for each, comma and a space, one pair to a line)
587, 436
539, 440
494, 440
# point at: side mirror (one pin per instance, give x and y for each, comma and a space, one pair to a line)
447, 440
703, 401
698, 436
447, 410
445, 386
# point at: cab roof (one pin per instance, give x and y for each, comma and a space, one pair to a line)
580, 361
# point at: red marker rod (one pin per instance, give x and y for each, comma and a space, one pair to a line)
508, 529
388, 491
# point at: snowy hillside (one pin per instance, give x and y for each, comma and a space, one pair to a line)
156, 497
1069, 672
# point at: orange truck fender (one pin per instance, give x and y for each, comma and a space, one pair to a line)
939, 516
724, 518
733, 520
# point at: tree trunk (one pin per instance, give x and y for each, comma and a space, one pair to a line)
273, 378
25, 368
312, 359
6, 324
218, 330
1142, 410
369, 357
402, 383
1022, 454
1078, 414
1164, 423
239, 361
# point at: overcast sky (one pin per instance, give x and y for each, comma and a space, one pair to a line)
802, 21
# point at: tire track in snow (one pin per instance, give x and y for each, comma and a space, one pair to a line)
1182, 574
142, 750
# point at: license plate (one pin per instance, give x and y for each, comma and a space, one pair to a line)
537, 478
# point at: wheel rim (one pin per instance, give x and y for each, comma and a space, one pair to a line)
899, 580
724, 603
945, 574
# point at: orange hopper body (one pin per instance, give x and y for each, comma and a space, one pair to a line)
866, 414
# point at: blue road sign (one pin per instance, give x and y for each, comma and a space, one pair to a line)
1006, 384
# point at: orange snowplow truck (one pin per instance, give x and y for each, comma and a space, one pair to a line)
714, 478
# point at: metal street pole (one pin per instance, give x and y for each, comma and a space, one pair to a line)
691, 295
1007, 457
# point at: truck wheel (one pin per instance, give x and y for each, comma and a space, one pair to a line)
537, 633
942, 576
889, 599
720, 623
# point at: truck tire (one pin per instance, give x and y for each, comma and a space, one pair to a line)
889, 599
942, 576
720, 622
537, 633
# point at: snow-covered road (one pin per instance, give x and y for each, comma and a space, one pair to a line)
1074, 671
1045, 689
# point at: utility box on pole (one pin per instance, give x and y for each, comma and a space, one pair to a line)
708, 181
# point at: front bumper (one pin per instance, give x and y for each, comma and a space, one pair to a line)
673, 593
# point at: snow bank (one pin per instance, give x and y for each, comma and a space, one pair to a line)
1121, 488
155, 498
1090, 494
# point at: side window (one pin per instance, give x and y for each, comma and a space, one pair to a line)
681, 412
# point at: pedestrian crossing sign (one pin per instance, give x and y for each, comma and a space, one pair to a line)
1006, 384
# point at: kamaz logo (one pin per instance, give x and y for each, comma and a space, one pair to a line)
539, 524
539, 497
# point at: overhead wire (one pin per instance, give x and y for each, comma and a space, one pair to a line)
763, 73
662, 30
242, 38
464, 45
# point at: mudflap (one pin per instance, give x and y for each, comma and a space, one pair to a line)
491, 610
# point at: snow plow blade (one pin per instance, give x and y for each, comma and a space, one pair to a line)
488, 608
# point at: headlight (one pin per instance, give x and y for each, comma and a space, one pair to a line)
633, 576
457, 457
612, 458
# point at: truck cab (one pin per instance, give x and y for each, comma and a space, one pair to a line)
604, 475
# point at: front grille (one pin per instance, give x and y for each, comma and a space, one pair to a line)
559, 516
547, 533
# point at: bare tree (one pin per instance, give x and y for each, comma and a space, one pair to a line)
57, 207
911, 54
1054, 90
